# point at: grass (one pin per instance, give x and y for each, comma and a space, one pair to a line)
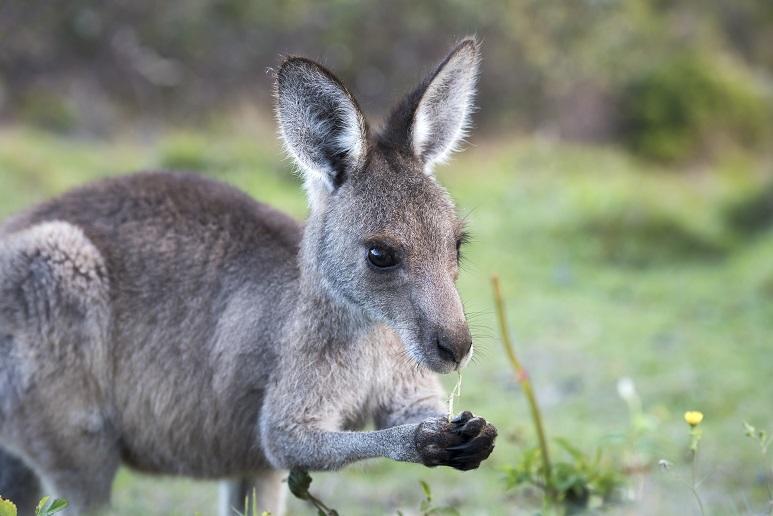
611, 269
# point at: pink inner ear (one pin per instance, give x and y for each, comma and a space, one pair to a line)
442, 115
321, 124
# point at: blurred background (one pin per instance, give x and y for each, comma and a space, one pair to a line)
619, 179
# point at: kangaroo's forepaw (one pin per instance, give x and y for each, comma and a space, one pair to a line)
463, 443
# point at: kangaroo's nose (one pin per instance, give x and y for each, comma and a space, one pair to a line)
453, 348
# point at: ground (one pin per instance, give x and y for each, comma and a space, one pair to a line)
611, 269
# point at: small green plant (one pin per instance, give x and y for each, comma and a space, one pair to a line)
639, 447
426, 506
764, 440
580, 482
46, 506
577, 483
299, 482
761, 436
694, 418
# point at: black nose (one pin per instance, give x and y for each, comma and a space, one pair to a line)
446, 353
453, 349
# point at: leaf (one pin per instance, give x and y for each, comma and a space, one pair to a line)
750, 430
299, 482
57, 505
7, 508
568, 480
427, 491
576, 454
40, 510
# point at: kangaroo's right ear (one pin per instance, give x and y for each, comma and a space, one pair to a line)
432, 120
321, 124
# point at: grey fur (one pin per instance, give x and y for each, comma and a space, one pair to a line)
172, 323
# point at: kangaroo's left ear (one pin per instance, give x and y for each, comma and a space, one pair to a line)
321, 125
433, 119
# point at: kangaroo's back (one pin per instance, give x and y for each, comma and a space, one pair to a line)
167, 237
190, 211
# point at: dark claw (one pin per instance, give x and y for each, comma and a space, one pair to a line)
479, 456
473, 427
462, 417
473, 446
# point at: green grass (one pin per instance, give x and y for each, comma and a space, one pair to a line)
610, 269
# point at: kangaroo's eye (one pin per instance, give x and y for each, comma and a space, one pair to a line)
463, 239
382, 257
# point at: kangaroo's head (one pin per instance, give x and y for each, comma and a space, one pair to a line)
383, 236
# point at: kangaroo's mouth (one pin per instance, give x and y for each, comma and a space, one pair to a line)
435, 352
467, 358
439, 361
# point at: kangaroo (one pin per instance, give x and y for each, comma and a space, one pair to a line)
172, 324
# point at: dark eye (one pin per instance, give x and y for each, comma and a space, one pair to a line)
382, 257
463, 239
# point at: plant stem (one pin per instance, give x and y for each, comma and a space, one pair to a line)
320, 505
769, 474
694, 487
523, 378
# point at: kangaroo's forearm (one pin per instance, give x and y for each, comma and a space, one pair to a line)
415, 413
319, 450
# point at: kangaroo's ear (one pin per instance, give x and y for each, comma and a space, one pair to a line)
432, 120
321, 124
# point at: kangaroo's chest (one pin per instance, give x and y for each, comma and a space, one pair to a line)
357, 382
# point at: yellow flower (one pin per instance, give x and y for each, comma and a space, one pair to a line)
693, 417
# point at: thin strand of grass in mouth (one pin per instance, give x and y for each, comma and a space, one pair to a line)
455, 393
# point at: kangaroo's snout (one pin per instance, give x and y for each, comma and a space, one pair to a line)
444, 339
454, 345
